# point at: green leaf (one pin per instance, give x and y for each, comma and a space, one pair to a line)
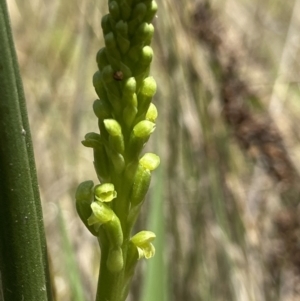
23, 244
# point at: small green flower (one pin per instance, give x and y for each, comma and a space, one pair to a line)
104, 216
105, 192
101, 214
142, 241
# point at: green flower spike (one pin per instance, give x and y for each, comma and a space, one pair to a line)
126, 120
142, 241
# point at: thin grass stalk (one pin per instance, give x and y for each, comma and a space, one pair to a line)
155, 284
72, 271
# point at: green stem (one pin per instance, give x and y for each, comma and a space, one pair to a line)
109, 284
23, 254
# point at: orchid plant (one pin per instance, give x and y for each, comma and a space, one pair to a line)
126, 119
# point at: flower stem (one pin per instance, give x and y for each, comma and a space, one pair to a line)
110, 285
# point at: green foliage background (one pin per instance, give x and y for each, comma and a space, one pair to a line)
216, 238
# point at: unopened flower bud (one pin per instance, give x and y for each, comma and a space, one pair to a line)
115, 261
147, 55
147, 91
140, 185
101, 58
122, 36
144, 61
129, 113
102, 109
113, 54
125, 10
114, 10
152, 113
105, 24
150, 161
116, 137
139, 136
98, 84
129, 88
92, 140
151, 11
150, 35
139, 11
122, 28
113, 127
143, 129
142, 33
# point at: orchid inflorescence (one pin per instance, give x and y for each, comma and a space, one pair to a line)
126, 119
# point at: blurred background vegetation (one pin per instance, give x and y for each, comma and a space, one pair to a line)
224, 203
